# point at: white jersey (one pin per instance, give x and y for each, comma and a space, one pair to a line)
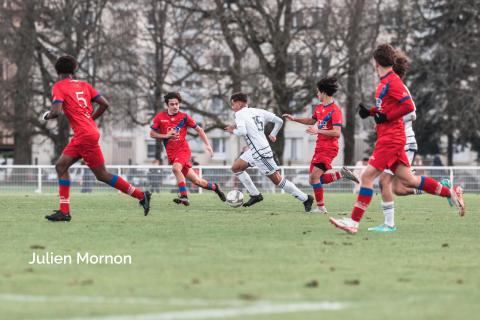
411, 143
251, 124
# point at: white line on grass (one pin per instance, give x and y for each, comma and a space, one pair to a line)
256, 309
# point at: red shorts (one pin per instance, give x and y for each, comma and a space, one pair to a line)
323, 158
86, 148
183, 158
388, 157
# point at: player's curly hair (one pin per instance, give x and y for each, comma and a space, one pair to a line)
387, 56
172, 95
328, 85
66, 65
239, 96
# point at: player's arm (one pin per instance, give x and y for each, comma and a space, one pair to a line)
335, 132
240, 127
54, 112
307, 121
170, 134
277, 125
405, 104
204, 138
103, 105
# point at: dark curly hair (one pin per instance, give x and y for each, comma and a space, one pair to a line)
172, 95
66, 65
239, 96
328, 85
387, 56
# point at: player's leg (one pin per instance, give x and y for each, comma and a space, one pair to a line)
61, 166
388, 205
289, 187
332, 176
239, 168
431, 186
315, 181
179, 173
194, 178
363, 201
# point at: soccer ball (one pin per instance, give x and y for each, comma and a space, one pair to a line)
235, 198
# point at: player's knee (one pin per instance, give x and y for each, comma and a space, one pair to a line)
313, 179
103, 176
176, 169
60, 168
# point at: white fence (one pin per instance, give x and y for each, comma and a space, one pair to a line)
43, 179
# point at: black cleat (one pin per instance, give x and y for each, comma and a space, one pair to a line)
308, 203
182, 200
220, 193
59, 216
253, 200
145, 202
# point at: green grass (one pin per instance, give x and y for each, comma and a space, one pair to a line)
428, 269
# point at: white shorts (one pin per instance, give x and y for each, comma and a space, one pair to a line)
267, 166
410, 156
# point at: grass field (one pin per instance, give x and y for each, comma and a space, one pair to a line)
210, 261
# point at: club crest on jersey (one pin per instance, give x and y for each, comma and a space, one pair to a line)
378, 103
323, 124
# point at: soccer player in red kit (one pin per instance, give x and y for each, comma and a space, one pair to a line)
75, 98
171, 127
328, 117
393, 101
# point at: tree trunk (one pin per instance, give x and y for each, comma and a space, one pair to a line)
450, 149
349, 130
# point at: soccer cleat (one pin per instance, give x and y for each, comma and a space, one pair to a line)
349, 175
59, 216
253, 200
182, 200
145, 202
308, 203
346, 224
448, 184
456, 195
383, 228
220, 193
319, 210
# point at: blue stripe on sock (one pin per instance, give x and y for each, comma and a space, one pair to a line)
321, 179
64, 182
366, 192
210, 186
182, 189
317, 185
113, 181
422, 182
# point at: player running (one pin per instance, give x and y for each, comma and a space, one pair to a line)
171, 127
75, 98
327, 117
250, 123
393, 102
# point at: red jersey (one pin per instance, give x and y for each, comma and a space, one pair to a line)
163, 122
393, 99
76, 98
327, 116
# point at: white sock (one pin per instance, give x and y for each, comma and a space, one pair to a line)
247, 183
292, 189
389, 213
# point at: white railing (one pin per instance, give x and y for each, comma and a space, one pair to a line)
43, 179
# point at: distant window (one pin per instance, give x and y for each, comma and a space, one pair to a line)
124, 144
219, 145
151, 149
221, 61
295, 63
295, 148
298, 20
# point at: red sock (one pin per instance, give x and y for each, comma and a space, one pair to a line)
432, 186
64, 193
118, 183
211, 186
182, 188
318, 191
327, 178
364, 198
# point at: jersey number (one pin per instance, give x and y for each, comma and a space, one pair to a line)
258, 123
82, 102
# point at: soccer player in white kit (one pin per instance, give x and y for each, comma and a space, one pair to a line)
250, 123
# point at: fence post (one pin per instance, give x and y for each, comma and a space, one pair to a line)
451, 175
39, 180
200, 174
282, 172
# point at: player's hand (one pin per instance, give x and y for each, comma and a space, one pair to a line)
312, 131
363, 111
229, 128
172, 133
380, 117
45, 115
288, 117
210, 151
272, 138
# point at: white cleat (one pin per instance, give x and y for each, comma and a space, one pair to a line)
319, 210
457, 199
346, 224
349, 175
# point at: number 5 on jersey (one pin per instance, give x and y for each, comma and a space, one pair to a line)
258, 122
